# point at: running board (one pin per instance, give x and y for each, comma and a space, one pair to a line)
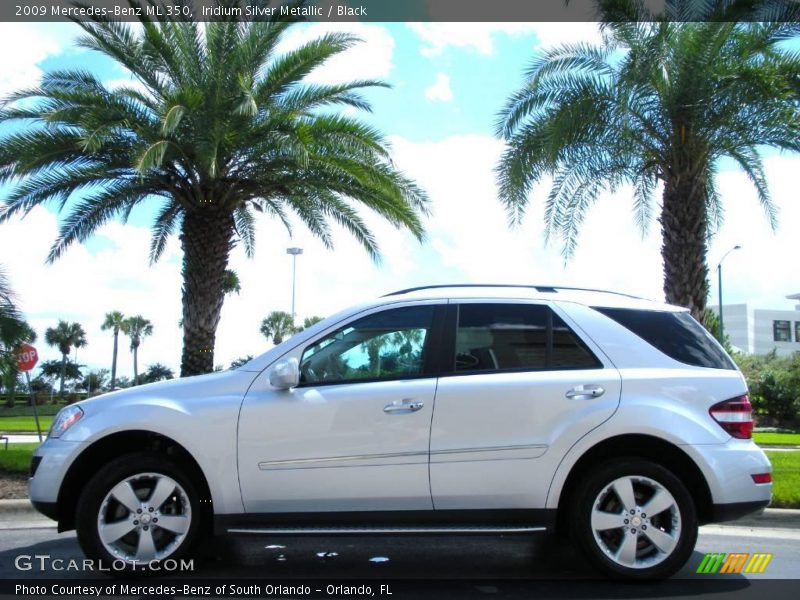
411, 522
333, 531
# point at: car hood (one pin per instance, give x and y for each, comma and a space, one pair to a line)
180, 390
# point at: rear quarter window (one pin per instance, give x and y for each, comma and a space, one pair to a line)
676, 334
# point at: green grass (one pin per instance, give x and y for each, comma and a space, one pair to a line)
24, 424
777, 439
24, 410
17, 458
785, 479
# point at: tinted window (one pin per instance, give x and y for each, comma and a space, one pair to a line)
569, 352
781, 331
677, 335
508, 337
385, 345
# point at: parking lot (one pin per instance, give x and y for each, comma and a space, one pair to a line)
417, 566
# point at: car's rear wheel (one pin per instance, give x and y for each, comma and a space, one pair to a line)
137, 512
634, 519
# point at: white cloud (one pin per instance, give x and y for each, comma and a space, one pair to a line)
469, 241
764, 270
469, 231
369, 59
555, 34
440, 91
29, 45
82, 286
129, 82
480, 37
474, 36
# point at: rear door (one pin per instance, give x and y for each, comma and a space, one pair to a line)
520, 387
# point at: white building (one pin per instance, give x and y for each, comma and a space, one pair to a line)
759, 331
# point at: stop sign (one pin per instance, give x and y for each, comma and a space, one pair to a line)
27, 357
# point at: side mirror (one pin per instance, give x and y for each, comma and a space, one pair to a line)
285, 374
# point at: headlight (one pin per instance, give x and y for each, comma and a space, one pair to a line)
65, 419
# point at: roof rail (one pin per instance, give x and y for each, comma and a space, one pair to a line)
546, 289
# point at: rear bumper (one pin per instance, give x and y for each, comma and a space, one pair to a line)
736, 510
728, 470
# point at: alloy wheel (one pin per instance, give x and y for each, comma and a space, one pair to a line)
144, 518
636, 522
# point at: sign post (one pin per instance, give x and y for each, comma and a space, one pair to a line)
27, 357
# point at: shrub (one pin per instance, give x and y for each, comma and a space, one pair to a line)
774, 384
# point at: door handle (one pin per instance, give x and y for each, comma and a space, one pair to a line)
585, 392
403, 406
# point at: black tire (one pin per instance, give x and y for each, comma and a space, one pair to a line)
651, 563
186, 504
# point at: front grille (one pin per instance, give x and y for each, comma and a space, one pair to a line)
35, 464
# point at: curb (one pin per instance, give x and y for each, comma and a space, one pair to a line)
776, 518
9, 509
15, 505
18, 513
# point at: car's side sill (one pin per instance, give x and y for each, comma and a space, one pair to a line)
333, 531
416, 522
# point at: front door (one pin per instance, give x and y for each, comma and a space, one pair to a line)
354, 435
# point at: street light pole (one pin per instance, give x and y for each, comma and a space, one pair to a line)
719, 290
294, 252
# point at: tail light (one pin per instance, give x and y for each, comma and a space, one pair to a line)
735, 416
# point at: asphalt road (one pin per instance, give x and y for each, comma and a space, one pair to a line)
500, 567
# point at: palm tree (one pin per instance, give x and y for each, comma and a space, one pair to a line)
157, 372
9, 340
310, 321
231, 283
277, 325
136, 328
659, 104
14, 330
224, 127
114, 321
9, 314
65, 336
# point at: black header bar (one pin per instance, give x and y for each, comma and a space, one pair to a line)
463, 11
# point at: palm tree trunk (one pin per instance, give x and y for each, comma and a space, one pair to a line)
12, 391
684, 227
114, 361
207, 239
63, 374
135, 365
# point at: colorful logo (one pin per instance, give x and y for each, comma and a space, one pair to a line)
735, 562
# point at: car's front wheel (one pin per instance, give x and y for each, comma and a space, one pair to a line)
138, 511
634, 519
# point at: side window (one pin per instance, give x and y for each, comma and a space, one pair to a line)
513, 337
676, 334
385, 345
569, 352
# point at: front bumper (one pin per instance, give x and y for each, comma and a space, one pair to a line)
48, 509
52, 461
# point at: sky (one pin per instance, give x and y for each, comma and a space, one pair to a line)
448, 83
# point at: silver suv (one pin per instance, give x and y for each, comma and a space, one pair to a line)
451, 409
